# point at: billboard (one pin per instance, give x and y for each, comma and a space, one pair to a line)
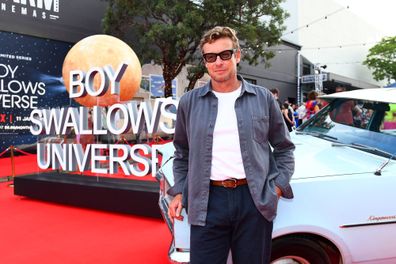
157, 86
30, 78
66, 20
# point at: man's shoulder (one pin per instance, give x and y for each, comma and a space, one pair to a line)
192, 96
260, 90
194, 93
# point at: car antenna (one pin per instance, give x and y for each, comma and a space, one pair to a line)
379, 170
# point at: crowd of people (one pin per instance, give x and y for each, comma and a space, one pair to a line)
295, 114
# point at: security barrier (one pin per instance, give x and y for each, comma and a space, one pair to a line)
11, 150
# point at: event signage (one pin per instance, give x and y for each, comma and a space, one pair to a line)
30, 78
10, 92
311, 78
73, 157
101, 82
41, 9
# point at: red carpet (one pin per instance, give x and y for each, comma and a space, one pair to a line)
35, 232
25, 164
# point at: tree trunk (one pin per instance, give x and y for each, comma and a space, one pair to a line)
168, 88
168, 77
194, 79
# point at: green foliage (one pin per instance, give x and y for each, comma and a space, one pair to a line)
194, 73
382, 59
168, 32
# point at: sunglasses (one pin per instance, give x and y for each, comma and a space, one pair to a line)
224, 55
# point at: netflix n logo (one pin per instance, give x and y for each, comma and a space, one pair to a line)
6, 118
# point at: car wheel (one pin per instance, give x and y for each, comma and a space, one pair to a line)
298, 250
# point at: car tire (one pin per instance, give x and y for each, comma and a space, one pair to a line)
298, 250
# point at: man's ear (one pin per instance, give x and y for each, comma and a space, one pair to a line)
238, 55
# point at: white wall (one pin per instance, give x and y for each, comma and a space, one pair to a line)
332, 41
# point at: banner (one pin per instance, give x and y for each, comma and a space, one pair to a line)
157, 86
47, 9
30, 78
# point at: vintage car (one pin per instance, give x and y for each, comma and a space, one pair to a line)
344, 205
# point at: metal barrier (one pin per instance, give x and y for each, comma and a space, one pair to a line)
9, 178
12, 150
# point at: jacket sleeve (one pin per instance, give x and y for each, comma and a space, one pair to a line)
283, 148
180, 141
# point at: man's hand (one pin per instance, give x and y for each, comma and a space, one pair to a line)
175, 208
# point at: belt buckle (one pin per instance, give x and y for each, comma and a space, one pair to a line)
232, 180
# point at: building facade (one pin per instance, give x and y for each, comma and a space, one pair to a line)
331, 35
329, 40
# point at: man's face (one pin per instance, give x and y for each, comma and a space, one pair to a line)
221, 70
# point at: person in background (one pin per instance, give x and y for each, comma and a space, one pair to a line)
291, 110
340, 89
233, 160
301, 112
288, 116
275, 93
346, 111
295, 115
322, 103
311, 106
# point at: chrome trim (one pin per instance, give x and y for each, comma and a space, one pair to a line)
171, 251
367, 224
163, 204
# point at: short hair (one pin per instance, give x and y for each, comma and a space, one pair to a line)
275, 91
219, 32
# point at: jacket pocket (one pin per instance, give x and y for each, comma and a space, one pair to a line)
260, 128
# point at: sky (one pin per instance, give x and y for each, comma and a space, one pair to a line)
379, 13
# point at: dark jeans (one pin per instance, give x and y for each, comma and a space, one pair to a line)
233, 222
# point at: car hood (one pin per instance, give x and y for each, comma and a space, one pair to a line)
316, 157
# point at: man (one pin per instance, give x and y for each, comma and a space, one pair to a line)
275, 93
340, 89
226, 174
346, 112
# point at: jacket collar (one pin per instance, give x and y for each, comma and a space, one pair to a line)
246, 87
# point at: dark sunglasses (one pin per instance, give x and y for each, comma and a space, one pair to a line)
224, 55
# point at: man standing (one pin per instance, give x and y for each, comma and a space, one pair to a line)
275, 93
226, 174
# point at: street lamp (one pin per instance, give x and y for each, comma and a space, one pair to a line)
319, 77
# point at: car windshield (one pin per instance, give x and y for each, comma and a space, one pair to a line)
356, 122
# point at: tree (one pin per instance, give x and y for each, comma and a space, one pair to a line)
194, 73
382, 59
168, 32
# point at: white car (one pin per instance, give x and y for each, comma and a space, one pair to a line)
344, 205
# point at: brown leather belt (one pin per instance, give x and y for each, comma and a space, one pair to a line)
229, 183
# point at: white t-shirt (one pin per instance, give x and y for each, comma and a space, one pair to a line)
301, 111
226, 156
